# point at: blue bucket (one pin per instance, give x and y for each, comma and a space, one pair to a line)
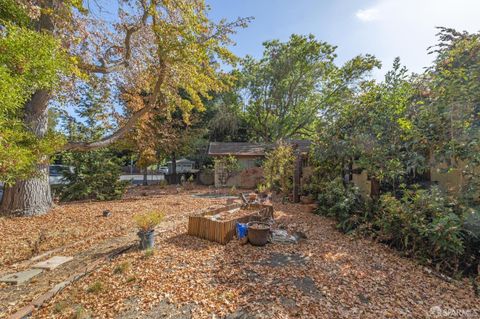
241, 230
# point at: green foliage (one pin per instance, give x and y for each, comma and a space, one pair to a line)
396, 131
278, 168
423, 224
29, 61
12, 12
452, 107
290, 84
122, 268
342, 202
95, 173
95, 176
96, 287
262, 188
150, 252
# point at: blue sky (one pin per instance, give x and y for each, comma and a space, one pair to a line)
385, 28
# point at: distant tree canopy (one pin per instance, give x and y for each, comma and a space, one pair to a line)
285, 91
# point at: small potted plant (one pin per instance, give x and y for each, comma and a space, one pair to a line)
146, 224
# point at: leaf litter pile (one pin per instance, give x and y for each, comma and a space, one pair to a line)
326, 275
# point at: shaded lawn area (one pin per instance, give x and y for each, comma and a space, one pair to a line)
328, 275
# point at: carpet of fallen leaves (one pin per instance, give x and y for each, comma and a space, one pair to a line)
327, 275
81, 223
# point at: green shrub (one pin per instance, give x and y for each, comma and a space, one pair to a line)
122, 268
344, 203
96, 175
423, 224
278, 168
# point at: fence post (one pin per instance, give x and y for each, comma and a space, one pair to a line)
296, 178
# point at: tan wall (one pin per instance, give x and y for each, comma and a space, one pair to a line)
248, 177
362, 182
450, 180
206, 177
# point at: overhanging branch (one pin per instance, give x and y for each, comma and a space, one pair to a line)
107, 140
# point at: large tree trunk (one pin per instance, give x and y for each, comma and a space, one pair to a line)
32, 196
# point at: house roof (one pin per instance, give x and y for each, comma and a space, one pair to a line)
251, 149
182, 160
239, 149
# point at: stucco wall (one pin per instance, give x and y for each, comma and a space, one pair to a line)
248, 177
451, 179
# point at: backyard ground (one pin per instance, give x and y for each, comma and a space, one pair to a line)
326, 275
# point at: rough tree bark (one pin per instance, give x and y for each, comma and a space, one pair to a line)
31, 197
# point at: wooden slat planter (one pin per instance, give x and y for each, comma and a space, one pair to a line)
222, 231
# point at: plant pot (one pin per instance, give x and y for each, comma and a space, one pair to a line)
307, 199
147, 239
258, 233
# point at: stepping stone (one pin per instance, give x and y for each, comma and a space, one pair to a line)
52, 263
21, 277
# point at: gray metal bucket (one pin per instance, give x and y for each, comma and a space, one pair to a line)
147, 239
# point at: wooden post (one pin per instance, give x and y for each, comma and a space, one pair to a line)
296, 178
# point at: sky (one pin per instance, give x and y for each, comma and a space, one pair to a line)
384, 28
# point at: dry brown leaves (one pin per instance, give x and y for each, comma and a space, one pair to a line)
66, 224
328, 275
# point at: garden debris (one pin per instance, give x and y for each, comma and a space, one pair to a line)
52, 263
281, 236
106, 213
21, 277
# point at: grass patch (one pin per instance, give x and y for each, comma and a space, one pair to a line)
80, 313
149, 253
122, 268
96, 287
61, 306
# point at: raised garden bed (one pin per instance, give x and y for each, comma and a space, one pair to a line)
218, 224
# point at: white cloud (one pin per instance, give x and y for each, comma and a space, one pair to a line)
367, 15
406, 28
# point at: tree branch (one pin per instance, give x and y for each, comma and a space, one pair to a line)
107, 140
114, 66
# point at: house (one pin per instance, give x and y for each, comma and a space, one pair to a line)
249, 157
183, 166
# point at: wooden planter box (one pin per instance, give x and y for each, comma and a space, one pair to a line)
222, 231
